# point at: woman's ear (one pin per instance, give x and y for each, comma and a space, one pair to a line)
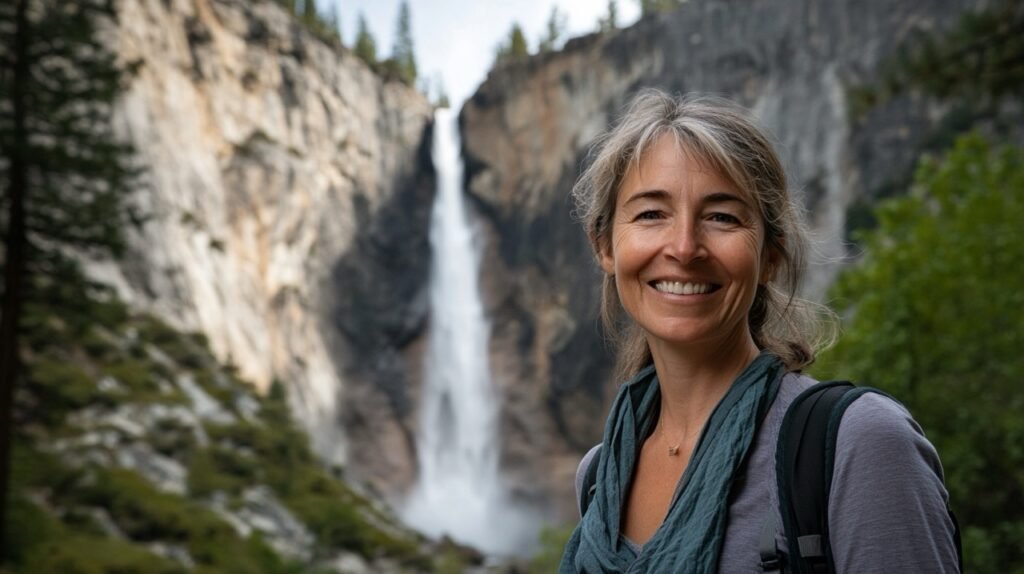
770, 264
605, 257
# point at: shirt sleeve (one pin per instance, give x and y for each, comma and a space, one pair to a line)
888, 505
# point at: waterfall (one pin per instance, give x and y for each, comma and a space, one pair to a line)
459, 491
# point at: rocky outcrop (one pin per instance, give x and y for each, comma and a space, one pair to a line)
526, 133
284, 183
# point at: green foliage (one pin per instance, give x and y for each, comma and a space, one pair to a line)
656, 6
553, 31
552, 544
441, 98
610, 21
75, 333
78, 173
937, 319
325, 27
403, 54
365, 47
62, 387
514, 47
982, 57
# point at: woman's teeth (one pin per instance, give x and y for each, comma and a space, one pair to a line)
677, 288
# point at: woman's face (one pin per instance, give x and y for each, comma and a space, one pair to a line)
686, 249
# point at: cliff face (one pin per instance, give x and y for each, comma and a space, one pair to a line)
528, 129
284, 182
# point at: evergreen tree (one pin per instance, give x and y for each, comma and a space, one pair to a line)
441, 100
981, 58
365, 46
554, 30
334, 23
514, 47
402, 53
64, 175
309, 13
655, 6
611, 20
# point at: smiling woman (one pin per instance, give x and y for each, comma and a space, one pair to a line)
687, 209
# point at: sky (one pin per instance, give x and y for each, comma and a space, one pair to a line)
455, 40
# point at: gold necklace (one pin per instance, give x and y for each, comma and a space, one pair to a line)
673, 449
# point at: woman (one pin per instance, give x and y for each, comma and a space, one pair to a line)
688, 212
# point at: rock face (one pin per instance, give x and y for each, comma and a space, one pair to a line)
287, 191
528, 129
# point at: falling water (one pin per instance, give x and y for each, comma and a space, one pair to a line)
459, 491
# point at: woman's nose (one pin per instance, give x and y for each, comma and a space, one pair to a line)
686, 242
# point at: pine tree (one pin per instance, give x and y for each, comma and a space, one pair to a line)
611, 20
555, 27
514, 47
333, 21
64, 175
402, 53
441, 100
365, 46
309, 13
978, 60
655, 6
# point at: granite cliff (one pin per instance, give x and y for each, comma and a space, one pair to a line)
287, 189
527, 131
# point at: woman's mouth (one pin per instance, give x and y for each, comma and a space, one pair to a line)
684, 288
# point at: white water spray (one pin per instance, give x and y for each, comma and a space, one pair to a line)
459, 491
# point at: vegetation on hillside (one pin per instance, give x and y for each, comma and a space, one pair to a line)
981, 58
657, 6
64, 177
101, 382
324, 25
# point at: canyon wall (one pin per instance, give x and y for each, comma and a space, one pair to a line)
287, 190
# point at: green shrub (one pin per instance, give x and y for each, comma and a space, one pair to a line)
552, 544
59, 386
94, 555
935, 319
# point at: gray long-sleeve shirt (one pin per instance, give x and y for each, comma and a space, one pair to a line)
887, 506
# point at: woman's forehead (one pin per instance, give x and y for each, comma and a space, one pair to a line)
668, 152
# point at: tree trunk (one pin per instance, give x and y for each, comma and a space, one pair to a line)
14, 260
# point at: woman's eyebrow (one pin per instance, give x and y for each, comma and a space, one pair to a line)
647, 194
724, 197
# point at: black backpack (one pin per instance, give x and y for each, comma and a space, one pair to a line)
810, 425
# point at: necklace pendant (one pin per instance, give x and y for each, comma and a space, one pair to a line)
673, 450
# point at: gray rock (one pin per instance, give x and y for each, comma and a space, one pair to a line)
163, 472
261, 511
175, 552
205, 406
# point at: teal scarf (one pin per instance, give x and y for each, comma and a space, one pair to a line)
690, 539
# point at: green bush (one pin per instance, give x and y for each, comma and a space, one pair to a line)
58, 387
937, 319
93, 555
552, 544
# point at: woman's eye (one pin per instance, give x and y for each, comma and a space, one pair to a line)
649, 214
724, 218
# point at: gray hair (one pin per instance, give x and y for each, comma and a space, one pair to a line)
725, 138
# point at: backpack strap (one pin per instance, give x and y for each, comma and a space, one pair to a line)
804, 459
590, 481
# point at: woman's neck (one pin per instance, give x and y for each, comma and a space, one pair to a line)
693, 380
